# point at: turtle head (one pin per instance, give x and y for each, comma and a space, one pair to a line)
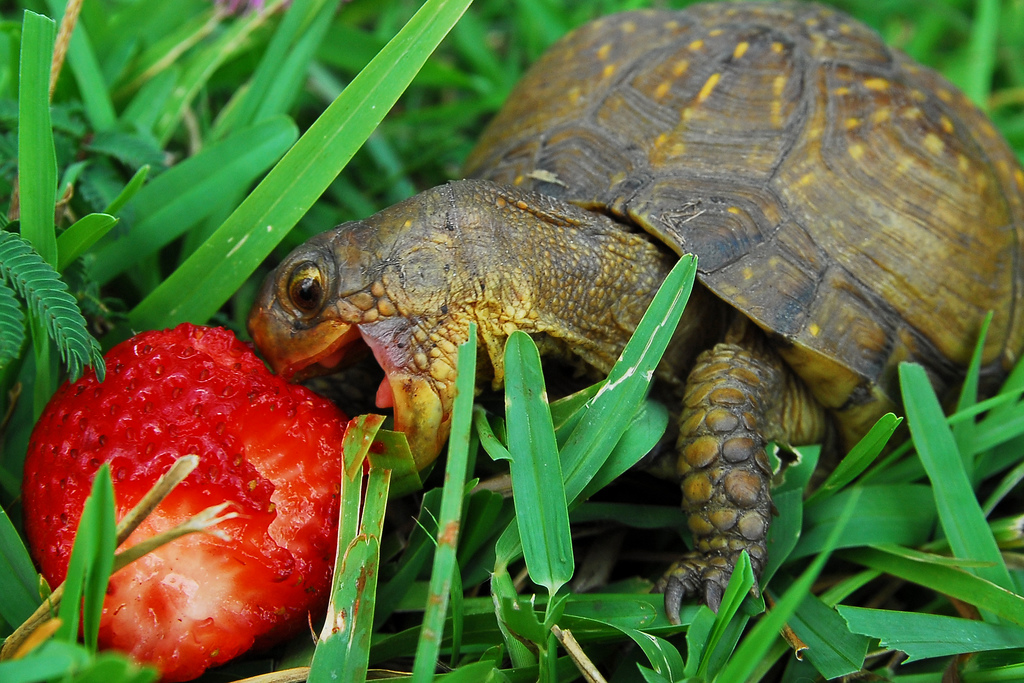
386, 285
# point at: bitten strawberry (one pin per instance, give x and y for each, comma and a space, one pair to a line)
272, 448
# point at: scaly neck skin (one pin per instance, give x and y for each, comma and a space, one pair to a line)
549, 267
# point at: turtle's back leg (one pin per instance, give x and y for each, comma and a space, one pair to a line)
739, 395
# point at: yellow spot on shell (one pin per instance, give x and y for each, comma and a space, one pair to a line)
1019, 176
608, 71
856, 151
805, 180
934, 144
982, 182
845, 29
660, 140
696, 45
671, 25
518, 180
574, 95
709, 85
904, 164
735, 210
741, 49
715, 33
663, 89
876, 84
841, 90
748, 273
918, 95
944, 95
408, 224
851, 123
778, 47
963, 163
628, 27
680, 67
814, 329
946, 124
988, 129
881, 114
911, 113
604, 50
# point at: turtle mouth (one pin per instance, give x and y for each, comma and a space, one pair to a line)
419, 408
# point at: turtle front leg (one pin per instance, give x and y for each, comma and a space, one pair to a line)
738, 395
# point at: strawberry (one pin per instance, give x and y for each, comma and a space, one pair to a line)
272, 448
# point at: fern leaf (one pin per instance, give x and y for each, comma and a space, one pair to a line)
49, 301
12, 326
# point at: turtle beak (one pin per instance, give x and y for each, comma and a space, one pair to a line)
298, 354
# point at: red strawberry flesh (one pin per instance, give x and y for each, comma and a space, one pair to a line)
273, 449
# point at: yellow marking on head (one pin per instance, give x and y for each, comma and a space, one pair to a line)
856, 150
709, 85
741, 49
814, 329
881, 114
735, 210
608, 71
715, 33
696, 45
663, 89
628, 27
748, 273
604, 50
944, 95
934, 144
408, 224
876, 84
852, 123
680, 67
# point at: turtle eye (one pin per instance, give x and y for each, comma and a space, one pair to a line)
306, 287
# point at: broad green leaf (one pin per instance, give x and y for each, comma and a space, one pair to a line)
959, 511
445, 564
541, 511
923, 636
642, 434
206, 280
77, 239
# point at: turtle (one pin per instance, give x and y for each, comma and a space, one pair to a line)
850, 210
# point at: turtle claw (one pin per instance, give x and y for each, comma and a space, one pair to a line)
691, 576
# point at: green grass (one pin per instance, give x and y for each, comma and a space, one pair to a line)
185, 134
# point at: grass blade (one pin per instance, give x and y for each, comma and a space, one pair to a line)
859, 457
541, 512
37, 161
206, 280
91, 85
959, 511
948, 580
18, 578
179, 199
923, 636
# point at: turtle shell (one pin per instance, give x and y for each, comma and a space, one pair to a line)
852, 203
